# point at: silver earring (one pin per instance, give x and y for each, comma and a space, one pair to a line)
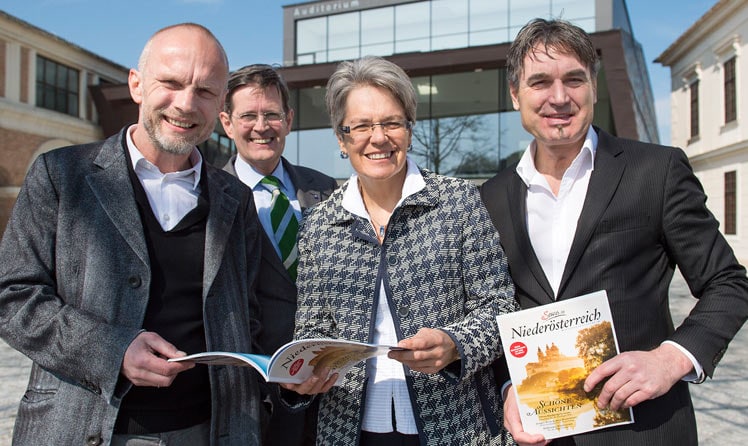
410, 147
343, 155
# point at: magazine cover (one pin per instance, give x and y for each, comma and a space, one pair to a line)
550, 351
295, 361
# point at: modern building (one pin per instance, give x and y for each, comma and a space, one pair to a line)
455, 52
45, 99
54, 93
708, 75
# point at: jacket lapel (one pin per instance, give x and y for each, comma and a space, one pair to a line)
604, 181
268, 249
517, 193
306, 193
112, 188
224, 207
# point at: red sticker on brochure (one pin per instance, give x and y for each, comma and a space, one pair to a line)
296, 366
518, 349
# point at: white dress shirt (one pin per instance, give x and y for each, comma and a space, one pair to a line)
263, 197
386, 387
552, 220
171, 195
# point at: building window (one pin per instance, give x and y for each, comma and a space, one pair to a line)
429, 25
730, 96
56, 86
694, 109
731, 218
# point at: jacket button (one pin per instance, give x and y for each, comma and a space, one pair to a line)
94, 440
134, 281
392, 260
403, 311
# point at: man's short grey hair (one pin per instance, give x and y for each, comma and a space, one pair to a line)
195, 27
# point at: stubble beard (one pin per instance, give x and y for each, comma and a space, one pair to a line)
174, 144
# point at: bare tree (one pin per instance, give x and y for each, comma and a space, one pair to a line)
446, 143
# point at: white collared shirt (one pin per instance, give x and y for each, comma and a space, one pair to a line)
171, 195
552, 220
387, 385
263, 197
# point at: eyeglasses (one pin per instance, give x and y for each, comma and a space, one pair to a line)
364, 130
271, 118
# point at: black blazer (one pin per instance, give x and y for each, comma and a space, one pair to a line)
644, 214
276, 292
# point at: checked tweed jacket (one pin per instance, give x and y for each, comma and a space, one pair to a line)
443, 267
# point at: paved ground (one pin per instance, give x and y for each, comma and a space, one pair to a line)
721, 403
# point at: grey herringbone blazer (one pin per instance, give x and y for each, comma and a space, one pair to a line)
443, 267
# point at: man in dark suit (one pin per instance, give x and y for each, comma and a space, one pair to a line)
123, 253
584, 211
257, 116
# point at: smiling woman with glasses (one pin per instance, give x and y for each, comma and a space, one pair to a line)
400, 256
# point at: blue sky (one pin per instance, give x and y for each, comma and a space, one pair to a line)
251, 30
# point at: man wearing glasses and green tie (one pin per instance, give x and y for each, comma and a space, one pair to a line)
258, 118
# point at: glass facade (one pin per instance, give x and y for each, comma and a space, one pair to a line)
466, 125
427, 26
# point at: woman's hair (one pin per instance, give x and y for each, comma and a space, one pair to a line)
368, 71
542, 35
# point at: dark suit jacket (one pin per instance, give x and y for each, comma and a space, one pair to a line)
644, 213
74, 286
277, 292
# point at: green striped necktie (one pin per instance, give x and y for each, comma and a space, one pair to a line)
285, 225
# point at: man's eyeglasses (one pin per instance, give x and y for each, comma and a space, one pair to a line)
364, 130
250, 119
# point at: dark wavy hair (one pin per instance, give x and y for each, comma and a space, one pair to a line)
541, 34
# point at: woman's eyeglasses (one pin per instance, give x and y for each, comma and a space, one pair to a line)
364, 130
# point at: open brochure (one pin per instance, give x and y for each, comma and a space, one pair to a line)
550, 351
295, 361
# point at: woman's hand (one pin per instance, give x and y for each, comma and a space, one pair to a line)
319, 382
429, 351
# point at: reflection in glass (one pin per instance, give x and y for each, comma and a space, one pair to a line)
344, 36
489, 21
310, 108
449, 24
526, 10
412, 27
311, 39
573, 10
377, 32
445, 145
319, 150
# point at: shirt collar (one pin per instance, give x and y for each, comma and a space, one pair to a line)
139, 163
526, 166
354, 203
251, 177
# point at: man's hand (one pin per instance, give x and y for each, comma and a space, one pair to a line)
429, 351
145, 362
513, 423
320, 382
638, 376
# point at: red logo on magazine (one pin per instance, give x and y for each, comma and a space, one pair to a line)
518, 349
296, 366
